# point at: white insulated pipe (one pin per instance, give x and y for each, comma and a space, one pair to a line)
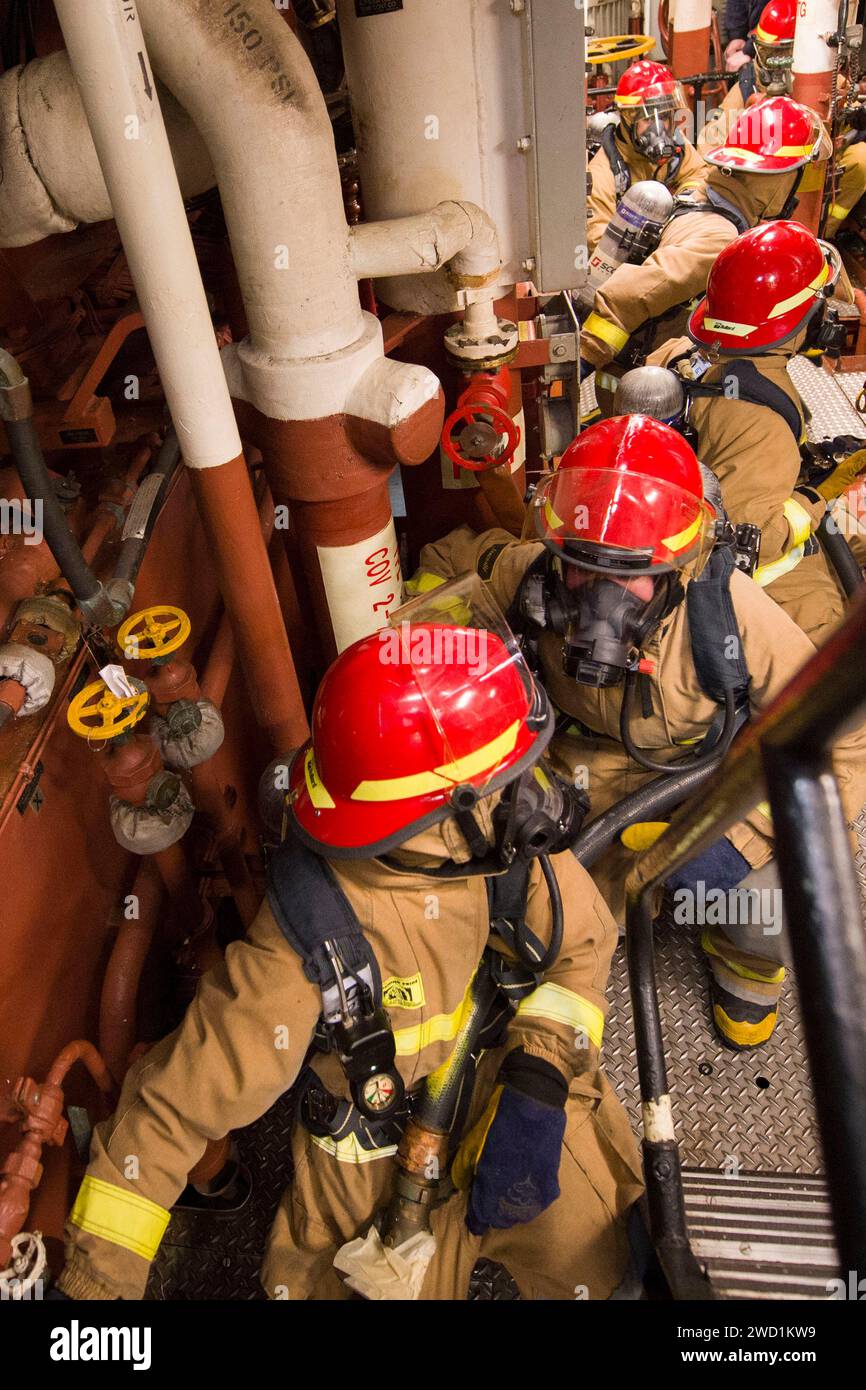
107, 50
455, 232
245, 80
51, 179
814, 59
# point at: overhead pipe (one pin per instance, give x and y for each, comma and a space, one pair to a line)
110, 61
52, 181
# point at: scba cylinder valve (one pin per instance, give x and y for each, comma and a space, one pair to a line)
480, 433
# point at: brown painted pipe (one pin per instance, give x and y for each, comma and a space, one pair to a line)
231, 522
117, 1005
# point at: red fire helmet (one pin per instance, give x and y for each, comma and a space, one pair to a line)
649, 84
402, 720
627, 498
777, 22
763, 288
775, 136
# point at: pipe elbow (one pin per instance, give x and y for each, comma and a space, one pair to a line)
458, 236
395, 412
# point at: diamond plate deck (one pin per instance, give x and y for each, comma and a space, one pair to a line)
830, 399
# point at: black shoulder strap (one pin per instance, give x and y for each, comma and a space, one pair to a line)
717, 647
621, 171
746, 80
507, 894
753, 388
311, 908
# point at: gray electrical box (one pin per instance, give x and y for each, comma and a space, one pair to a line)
554, 72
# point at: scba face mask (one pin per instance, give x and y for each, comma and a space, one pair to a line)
538, 814
604, 620
652, 131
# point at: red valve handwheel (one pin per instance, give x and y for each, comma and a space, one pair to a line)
489, 423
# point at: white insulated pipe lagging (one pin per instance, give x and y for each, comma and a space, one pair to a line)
244, 78
111, 65
51, 179
456, 233
812, 53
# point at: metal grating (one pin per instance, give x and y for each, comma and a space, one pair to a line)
830, 398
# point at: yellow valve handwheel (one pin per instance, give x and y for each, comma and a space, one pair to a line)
153, 633
617, 47
96, 713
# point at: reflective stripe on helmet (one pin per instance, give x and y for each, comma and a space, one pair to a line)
679, 542
564, 1006
783, 152
121, 1217
810, 291
440, 778
606, 331
319, 795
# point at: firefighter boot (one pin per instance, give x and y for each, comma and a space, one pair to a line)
745, 992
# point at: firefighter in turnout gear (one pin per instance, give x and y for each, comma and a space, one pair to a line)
753, 177
770, 74
625, 602
415, 818
766, 298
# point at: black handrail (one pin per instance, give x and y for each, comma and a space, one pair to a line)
788, 749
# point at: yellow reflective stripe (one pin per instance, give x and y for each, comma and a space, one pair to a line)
682, 538
764, 808
801, 296
801, 525
798, 519
349, 1150
553, 521
765, 37
606, 331
634, 99
564, 1006
439, 778
746, 1034
784, 152
423, 582
736, 330
774, 569
838, 211
320, 797
771, 977
122, 1217
440, 1028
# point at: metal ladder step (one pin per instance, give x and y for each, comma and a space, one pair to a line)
762, 1235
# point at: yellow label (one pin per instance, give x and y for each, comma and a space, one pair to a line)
403, 993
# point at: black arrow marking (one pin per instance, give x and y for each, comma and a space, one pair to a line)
147, 87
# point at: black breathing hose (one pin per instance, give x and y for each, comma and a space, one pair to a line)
694, 760
556, 915
652, 802
841, 557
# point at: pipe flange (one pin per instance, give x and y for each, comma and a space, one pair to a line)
53, 612
473, 354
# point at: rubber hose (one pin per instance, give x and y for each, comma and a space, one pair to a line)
840, 555
37, 485
652, 802
132, 550
696, 759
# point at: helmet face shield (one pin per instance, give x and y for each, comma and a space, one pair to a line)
458, 626
613, 522
651, 125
